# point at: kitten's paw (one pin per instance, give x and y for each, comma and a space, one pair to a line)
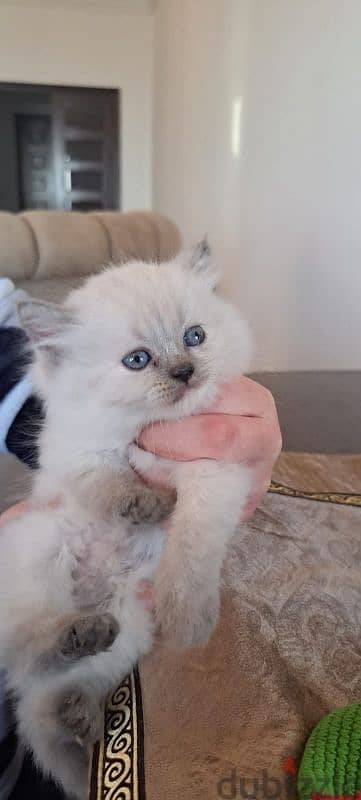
88, 636
186, 623
81, 716
143, 504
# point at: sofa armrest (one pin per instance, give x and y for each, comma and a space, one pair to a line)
49, 244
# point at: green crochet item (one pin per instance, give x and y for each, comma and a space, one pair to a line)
331, 763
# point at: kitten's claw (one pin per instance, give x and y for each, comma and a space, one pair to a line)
88, 636
143, 504
184, 623
81, 716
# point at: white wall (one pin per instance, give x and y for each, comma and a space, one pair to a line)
257, 141
89, 47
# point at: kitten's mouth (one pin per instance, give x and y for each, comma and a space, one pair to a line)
182, 391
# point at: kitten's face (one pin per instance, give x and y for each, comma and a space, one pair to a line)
153, 338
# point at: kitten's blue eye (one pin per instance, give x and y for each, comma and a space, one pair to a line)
137, 360
194, 336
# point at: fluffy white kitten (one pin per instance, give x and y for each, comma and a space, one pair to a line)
136, 344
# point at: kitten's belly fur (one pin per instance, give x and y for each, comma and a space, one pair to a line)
59, 562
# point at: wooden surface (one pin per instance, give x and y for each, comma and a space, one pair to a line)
319, 412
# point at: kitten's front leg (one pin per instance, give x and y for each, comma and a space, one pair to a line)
210, 497
121, 493
145, 504
75, 637
87, 636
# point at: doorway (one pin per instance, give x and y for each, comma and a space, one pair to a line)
59, 148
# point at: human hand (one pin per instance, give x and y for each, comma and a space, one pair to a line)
241, 427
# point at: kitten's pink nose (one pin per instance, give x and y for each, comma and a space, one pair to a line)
183, 373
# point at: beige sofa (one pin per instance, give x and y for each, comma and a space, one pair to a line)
62, 247
47, 253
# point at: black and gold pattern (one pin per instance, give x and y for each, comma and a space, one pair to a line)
117, 768
342, 498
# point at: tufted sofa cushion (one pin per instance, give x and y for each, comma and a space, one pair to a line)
60, 244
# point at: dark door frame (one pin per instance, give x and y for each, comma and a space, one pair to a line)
43, 88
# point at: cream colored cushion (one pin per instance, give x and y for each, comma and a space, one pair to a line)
18, 256
68, 243
54, 244
52, 290
139, 235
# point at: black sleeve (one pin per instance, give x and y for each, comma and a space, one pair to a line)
23, 434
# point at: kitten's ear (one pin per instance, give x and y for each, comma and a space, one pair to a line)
46, 324
44, 320
201, 260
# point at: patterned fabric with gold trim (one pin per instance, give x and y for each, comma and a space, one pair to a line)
322, 497
117, 768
